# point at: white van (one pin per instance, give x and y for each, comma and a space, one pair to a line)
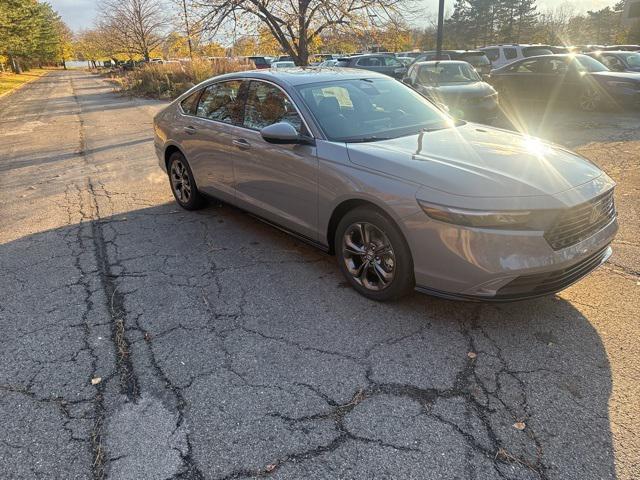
501, 55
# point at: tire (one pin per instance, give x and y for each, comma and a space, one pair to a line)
590, 100
183, 185
374, 271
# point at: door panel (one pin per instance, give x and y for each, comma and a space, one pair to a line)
278, 182
209, 137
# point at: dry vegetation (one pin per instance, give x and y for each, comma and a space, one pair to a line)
169, 80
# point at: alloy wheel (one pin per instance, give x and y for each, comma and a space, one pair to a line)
180, 182
589, 100
368, 256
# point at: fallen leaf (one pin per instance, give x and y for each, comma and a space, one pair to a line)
519, 425
472, 355
270, 468
96, 380
147, 336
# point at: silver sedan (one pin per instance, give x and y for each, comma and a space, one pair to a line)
364, 167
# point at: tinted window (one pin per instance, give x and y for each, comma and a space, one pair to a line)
369, 62
439, 73
587, 64
221, 102
342, 63
530, 66
556, 66
510, 53
535, 51
190, 104
492, 53
362, 110
266, 105
259, 61
633, 59
475, 59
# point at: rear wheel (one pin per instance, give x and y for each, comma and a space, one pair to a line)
183, 185
373, 255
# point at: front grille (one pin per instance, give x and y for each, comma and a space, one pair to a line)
580, 222
550, 282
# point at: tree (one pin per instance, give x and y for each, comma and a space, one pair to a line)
134, 27
297, 24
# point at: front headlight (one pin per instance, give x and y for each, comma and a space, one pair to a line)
508, 219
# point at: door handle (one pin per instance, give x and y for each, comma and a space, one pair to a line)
190, 130
241, 143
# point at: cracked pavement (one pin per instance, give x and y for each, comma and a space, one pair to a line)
222, 348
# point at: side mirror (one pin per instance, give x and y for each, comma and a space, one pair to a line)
283, 133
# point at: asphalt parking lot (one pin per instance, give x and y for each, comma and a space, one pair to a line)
141, 341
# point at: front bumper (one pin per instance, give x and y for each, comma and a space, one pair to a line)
498, 265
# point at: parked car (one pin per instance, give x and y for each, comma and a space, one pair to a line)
501, 55
477, 58
283, 64
406, 61
363, 166
578, 79
410, 54
627, 48
329, 63
618, 61
457, 85
559, 49
375, 62
259, 62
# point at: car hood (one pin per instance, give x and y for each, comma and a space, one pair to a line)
477, 161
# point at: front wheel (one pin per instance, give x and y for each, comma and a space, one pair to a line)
373, 255
183, 185
590, 100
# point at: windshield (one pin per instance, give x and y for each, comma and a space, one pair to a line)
588, 64
369, 109
633, 59
438, 73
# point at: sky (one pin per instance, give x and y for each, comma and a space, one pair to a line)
80, 14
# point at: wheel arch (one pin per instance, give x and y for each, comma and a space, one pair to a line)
168, 151
341, 209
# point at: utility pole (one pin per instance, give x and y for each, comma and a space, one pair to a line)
440, 30
186, 24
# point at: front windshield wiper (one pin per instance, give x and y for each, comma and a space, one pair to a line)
372, 138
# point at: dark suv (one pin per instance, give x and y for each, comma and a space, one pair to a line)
477, 58
387, 64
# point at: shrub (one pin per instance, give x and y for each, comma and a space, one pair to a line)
169, 80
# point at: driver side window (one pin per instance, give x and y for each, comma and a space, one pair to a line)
266, 105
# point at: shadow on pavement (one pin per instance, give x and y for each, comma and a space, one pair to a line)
272, 360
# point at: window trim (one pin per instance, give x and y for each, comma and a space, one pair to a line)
199, 93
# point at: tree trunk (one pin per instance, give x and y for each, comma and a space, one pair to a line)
64, 64
15, 64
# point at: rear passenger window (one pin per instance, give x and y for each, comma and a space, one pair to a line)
510, 53
190, 104
222, 102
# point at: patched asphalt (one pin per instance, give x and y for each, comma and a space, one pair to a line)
141, 341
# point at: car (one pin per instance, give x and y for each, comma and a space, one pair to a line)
618, 61
259, 62
406, 61
283, 64
457, 85
477, 58
627, 48
329, 63
501, 55
412, 54
577, 79
375, 62
364, 167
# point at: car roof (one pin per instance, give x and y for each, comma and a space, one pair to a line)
303, 75
448, 62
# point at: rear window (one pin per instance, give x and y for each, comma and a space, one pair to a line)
342, 63
475, 59
534, 51
259, 61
